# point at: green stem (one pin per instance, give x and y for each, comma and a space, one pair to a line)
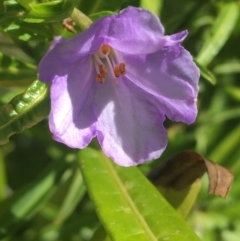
80, 19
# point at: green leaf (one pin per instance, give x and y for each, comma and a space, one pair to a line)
72, 197
229, 67
16, 210
220, 33
25, 3
206, 74
128, 205
24, 111
2, 176
234, 92
182, 200
226, 146
13, 71
93, 6
100, 235
98, 15
154, 5
50, 11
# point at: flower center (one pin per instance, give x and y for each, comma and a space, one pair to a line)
105, 60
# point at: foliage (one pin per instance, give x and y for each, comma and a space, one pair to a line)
42, 190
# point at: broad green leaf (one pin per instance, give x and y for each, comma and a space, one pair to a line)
24, 111
220, 33
128, 205
19, 208
206, 74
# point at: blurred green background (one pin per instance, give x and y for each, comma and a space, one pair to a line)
214, 41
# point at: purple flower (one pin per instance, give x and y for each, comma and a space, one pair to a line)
117, 81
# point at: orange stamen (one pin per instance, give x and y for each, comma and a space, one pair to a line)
120, 70
105, 48
102, 70
100, 78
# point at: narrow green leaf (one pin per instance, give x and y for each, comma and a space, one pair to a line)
226, 146
98, 15
16, 210
93, 6
2, 176
72, 197
230, 67
220, 33
100, 235
25, 3
12, 70
182, 200
128, 205
234, 92
24, 111
49, 11
154, 5
206, 74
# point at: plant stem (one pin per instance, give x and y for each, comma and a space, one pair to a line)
80, 19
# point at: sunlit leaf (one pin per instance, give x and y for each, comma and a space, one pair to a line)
129, 207
24, 111
53, 11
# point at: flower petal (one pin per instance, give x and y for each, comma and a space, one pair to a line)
176, 38
171, 76
135, 30
65, 52
129, 127
72, 119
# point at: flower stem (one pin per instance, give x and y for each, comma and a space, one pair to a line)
81, 19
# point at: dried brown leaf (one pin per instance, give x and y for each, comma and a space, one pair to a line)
183, 169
